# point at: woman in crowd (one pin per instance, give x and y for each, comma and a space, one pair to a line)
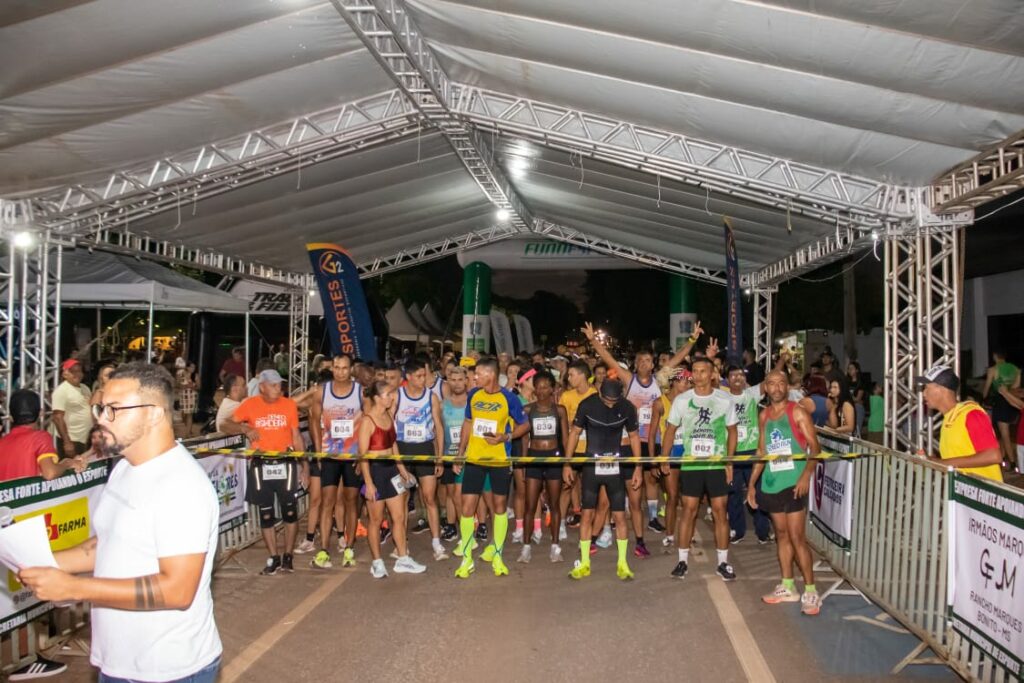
858, 392
842, 415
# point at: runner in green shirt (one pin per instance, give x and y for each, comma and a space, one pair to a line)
787, 429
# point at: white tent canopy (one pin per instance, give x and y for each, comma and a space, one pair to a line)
890, 92
112, 281
400, 325
421, 322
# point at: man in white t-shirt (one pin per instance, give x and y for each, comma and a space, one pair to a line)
235, 391
156, 527
72, 419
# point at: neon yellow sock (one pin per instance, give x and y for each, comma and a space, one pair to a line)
584, 552
466, 527
623, 545
809, 588
500, 531
789, 584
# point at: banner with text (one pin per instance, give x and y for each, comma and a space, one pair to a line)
524, 333
68, 504
227, 474
831, 504
733, 303
502, 333
346, 314
986, 550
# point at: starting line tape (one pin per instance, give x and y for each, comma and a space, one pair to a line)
523, 459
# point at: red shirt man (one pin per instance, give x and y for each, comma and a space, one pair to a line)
27, 451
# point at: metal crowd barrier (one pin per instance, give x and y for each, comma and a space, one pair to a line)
899, 550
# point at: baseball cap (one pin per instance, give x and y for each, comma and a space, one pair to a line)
69, 363
271, 377
611, 389
25, 405
942, 375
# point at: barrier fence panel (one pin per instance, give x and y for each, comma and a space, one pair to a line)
903, 544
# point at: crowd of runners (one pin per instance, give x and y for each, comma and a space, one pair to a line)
490, 410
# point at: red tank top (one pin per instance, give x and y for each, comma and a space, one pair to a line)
382, 439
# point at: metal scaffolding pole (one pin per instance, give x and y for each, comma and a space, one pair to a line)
298, 339
763, 326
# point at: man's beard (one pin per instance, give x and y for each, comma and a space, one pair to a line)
109, 446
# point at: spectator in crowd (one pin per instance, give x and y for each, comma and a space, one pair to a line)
151, 559
842, 415
966, 440
1002, 375
254, 383
858, 387
1015, 398
876, 418
27, 451
234, 394
753, 370
103, 372
187, 389
72, 417
234, 365
816, 392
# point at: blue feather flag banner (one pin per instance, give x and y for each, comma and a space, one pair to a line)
346, 314
733, 303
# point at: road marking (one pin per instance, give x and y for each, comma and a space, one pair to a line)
743, 643
237, 667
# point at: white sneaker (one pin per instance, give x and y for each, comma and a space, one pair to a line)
605, 539
525, 555
305, 547
394, 554
668, 541
517, 536
378, 570
556, 553
563, 533
537, 535
439, 553
407, 565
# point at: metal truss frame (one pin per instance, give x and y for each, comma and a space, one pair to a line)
603, 246
763, 305
432, 251
181, 180
398, 45
298, 340
991, 174
764, 179
923, 295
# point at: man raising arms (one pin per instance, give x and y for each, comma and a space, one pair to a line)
786, 429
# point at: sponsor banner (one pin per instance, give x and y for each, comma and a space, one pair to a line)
269, 300
476, 333
67, 505
680, 327
227, 474
542, 254
346, 315
524, 333
986, 554
733, 303
501, 332
831, 504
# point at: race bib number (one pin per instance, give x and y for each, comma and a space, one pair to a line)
781, 465
398, 483
275, 471
342, 429
703, 448
483, 427
607, 468
455, 434
415, 432
742, 432
644, 415
545, 426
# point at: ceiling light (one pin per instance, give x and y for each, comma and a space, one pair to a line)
24, 240
503, 215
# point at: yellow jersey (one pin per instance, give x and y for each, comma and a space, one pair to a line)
967, 430
571, 400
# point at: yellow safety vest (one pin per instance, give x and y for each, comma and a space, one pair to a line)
955, 442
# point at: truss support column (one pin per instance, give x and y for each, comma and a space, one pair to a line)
764, 300
922, 311
298, 340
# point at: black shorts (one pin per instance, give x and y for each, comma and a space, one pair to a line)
314, 467
262, 492
695, 483
542, 471
382, 472
645, 452
473, 479
448, 476
614, 485
418, 469
343, 472
1002, 411
781, 502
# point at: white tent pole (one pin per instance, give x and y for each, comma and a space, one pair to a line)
99, 333
149, 328
247, 375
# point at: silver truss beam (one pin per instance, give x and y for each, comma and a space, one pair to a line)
178, 181
922, 311
398, 45
764, 179
763, 326
435, 250
827, 249
603, 246
995, 172
298, 339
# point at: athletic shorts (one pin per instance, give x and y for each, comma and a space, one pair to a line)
314, 468
262, 492
677, 452
343, 472
474, 476
448, 476
1002, 411
418, 469
614, 485
542, 471
695, 483
382, 472
462, 473
783, 501
645, 452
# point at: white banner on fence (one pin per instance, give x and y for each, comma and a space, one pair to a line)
986, 549
831, 504
524, 333
68, 504
227, 474
502, 332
